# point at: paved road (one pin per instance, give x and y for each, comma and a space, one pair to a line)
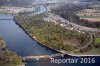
80, 27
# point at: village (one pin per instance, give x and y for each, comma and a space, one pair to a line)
16, 10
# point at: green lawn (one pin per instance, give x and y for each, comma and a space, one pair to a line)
89, 16
97, 40
93, 51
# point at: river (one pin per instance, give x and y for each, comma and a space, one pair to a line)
18, 41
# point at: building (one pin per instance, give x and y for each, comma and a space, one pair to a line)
88, 12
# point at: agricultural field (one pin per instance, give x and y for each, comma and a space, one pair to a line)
91, 18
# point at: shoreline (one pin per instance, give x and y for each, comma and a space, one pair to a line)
57, 51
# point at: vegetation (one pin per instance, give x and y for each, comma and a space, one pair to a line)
68, 13
90, 52
52, 35
8, 57
89, 16
2, 44
97, 42
93, 49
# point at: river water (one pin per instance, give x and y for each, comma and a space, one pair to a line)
18, 41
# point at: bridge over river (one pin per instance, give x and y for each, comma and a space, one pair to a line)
42, 57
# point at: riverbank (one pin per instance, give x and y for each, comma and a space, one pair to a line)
34, 38
2, 44
19, 42
8, 57
28, 31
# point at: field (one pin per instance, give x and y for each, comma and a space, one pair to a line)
97, 40
94, 50
91, 18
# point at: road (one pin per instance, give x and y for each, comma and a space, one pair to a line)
81, 28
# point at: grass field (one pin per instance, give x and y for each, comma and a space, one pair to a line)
93, 51
89, 16
97, 40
